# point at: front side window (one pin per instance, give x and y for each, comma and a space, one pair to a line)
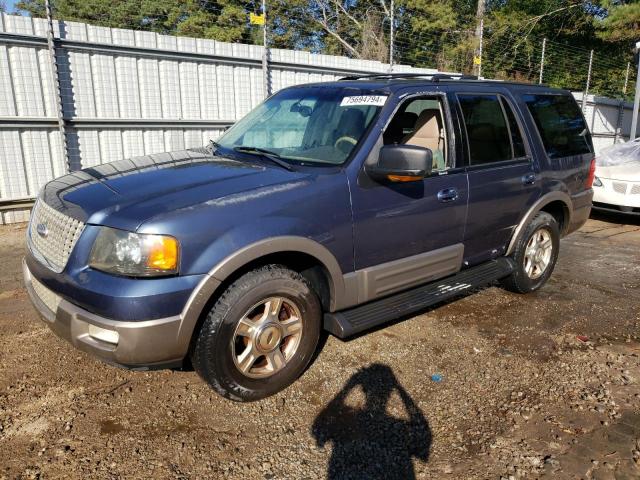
488, 134
308, 124
560, 123
420, 122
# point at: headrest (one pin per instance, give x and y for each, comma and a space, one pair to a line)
408, 120
427, 125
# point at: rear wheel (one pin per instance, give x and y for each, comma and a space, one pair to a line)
535, 255
260, 334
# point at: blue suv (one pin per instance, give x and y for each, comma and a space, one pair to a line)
336, 206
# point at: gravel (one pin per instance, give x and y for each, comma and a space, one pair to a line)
519, 394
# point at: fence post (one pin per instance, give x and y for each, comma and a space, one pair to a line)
391, 36
266, 74
480, 47
626, 79
636, 104
586, 89
621, 106
544, 47
56, 86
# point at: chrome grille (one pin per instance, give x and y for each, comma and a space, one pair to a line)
58, 235
635, 190
620, 187
50, 299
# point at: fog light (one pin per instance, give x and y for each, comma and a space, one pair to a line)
104, 335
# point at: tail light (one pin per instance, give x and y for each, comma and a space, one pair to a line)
592, 174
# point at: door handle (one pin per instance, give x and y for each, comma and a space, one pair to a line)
448, 195
529, 179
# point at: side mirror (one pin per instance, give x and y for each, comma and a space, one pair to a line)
402, 163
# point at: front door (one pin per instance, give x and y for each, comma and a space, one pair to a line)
409, 233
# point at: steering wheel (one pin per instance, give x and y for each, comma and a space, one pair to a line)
347, 139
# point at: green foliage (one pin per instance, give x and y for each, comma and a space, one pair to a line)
224, 20
439, 34
622, 24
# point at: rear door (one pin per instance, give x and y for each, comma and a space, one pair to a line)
503, 181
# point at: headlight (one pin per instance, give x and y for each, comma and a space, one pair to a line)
134, 254
597, 182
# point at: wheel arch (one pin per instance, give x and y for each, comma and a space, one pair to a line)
556, 203
311, 258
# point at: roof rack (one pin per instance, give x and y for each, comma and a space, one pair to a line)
434, 77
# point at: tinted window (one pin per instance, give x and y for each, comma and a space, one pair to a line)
487, 132
516, 134
560, 123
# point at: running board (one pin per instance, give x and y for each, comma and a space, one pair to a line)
346, 323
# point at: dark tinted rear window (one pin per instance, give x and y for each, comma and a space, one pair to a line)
560, 124
487, 131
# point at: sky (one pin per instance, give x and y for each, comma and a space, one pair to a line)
10, 4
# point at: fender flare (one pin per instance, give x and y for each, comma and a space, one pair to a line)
238, 259
534, 209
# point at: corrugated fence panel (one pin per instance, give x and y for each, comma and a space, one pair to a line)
132, 143
126, 93
7, 99
13, 178
127, 84
170, 89
189, 90
208, 91
106, 88
39, 168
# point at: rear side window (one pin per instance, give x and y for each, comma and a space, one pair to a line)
560, 123
492, 130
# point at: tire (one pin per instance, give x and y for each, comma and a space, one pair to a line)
242, 324
524, 279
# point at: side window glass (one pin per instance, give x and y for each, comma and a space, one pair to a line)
487, 132
516, 133
560, 123
420, 122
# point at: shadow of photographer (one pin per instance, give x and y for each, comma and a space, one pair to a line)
368, 442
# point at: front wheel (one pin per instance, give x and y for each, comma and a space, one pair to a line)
260, 334
535, 255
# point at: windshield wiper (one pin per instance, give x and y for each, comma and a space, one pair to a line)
213, 146
268, 154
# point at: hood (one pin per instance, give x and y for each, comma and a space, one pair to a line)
125, 193
627, 172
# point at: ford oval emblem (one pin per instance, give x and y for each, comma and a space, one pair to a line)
42, 230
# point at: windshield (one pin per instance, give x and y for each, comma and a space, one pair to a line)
307, 124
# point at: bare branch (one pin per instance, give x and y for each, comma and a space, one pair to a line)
324, 23
383, 4
347, 14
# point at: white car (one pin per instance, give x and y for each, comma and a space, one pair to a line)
616, 187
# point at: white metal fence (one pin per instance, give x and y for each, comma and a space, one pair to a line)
609, 120
125, 93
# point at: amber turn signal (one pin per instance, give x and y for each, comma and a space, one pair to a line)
403, 178
163, 253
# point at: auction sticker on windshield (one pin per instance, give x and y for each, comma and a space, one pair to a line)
377, 100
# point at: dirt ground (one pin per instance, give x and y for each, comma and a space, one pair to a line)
519, 394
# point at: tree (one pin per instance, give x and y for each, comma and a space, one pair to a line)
622, 22
439, 34
358, 29
224, 20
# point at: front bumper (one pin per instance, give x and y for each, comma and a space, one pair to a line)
159, 343
618, 192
